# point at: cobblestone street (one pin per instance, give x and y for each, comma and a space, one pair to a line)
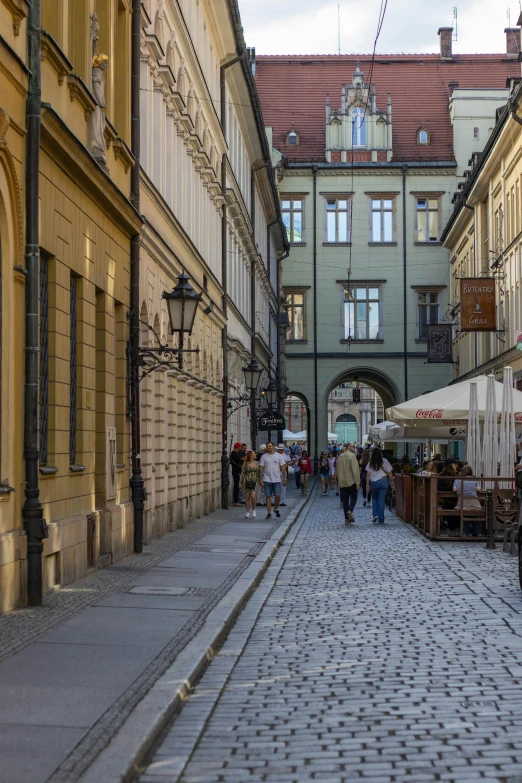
366, 653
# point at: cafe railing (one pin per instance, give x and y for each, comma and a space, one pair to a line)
434, 511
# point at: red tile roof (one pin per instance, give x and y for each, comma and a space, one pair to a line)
293, 88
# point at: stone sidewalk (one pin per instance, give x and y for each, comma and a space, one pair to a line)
73, 670
367, 653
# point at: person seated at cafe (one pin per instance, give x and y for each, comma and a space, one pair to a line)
427, 468
467, 499
445, 484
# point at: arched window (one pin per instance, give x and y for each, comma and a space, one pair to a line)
475, 134
358, 127
423, 137
345, 417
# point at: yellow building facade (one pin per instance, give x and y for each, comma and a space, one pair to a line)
13, 89
484, 237
86, 222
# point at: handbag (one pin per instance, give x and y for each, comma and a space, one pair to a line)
250, 484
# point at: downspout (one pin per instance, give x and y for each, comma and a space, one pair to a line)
316, 383
224, 284
404, 281
32, 511
253, 423
136, 482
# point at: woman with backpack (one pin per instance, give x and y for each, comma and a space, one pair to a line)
379, 479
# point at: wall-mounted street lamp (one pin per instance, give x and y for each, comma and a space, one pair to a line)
253, 374
272, 395
182, 305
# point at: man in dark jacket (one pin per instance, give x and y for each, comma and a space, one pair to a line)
236, 463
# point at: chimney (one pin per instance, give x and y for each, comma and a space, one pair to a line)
446, 41
512, 42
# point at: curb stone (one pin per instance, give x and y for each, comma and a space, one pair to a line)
119, 761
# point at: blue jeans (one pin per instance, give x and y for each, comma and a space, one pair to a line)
379, 489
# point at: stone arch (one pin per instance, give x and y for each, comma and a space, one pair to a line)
385, 386
13, 192
345, 417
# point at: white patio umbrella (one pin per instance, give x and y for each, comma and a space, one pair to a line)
301, 435
507, 445
332, 436
490, 445
287, 435
474, 450
384, 430
449, 406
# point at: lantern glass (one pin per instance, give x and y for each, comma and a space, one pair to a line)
182, 305
252, 375
271, 395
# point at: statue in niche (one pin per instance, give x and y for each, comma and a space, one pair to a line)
99, 64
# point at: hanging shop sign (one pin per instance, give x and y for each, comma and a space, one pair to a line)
272, 421
477, 304
439, 343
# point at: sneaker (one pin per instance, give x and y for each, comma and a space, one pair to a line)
349, 516
281, 505
336, 493
247, 515
364, 504
254, 514
269, 516
375, 519
276, 512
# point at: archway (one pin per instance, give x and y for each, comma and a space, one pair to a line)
297, 414
355, 400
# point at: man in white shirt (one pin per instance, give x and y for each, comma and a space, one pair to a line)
281, 449
273, 475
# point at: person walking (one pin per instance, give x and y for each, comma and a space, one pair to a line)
363, 464
348, 481
295, 464
379, 478
331, 463
281, 449
305, 468
324, 472
261, 492
273, 475
249, 482
236, 463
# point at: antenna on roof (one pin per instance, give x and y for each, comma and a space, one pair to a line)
508, 15
455, 16
338, 28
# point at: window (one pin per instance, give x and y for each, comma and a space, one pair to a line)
428, 311
358, 128
296, 316
292, 139
44, 359
382, 220
292, 210
475, 134
362, 314
72, 376
427, 220
338, 219
423, 137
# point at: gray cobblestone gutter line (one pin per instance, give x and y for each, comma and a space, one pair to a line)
119, 761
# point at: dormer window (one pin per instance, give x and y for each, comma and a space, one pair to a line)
423, 137
292, 137
475, 134
358, 116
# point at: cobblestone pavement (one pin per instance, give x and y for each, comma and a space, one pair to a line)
97, 646
372, 654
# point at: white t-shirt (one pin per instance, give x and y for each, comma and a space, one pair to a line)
272, 466
375, 475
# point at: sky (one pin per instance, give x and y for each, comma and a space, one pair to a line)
310, 26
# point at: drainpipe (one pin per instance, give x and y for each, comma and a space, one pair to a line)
404, 281
137, 484
253, 423
224, 285
32, 512
316, 386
